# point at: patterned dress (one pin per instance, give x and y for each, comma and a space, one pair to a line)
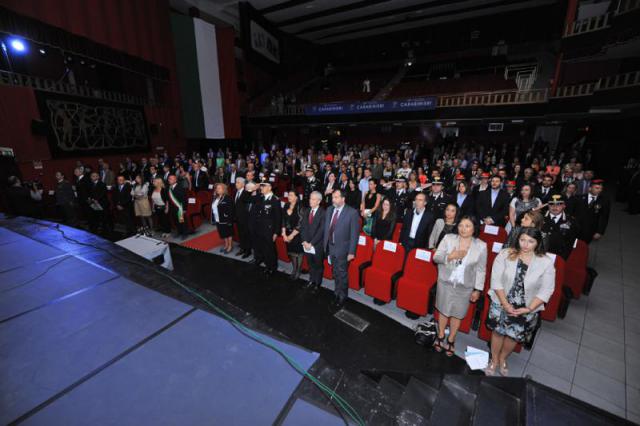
518, 328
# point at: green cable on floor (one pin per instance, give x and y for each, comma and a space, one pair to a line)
241, 327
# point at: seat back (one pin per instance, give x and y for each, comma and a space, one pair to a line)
492, 233
550, 312
396, 233
388, 256
493, 249
364, 250
419, 266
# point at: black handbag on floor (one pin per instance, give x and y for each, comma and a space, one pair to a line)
425, 333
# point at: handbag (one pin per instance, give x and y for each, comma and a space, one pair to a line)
426, 333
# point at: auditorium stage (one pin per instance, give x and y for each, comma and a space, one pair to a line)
86, 336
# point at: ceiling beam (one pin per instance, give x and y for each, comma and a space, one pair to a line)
284, 5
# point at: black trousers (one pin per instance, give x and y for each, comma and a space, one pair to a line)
244, 235
265, 251
316, 267
180, 226
162, 218
340, 275
125, 216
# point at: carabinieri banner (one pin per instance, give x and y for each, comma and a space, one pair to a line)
397, 105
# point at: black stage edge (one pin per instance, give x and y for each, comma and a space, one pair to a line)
381, 372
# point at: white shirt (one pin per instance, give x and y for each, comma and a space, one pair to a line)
592, 198
214, 209
239, 193
415, 222
461, 198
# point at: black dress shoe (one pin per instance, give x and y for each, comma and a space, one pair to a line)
338, 303
268, 272
246, 254
240, 252
314, 288
255, 262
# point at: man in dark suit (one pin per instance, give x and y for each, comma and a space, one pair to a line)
593, 212
177, 205
492, 205
558, 229
312, 233
98, 205
200, 179
340, 240
241, 201
417, 225
124, 204
268, 225
65, 199
546, 190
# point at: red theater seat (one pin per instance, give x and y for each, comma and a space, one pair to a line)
491, 233
194, 212
550, 312
328, 272
281, 249
396, 233
576, 268
364, 253
414, 287
387, 261
205, 198
493, 249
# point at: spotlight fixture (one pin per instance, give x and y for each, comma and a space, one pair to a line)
18, 45
42, 51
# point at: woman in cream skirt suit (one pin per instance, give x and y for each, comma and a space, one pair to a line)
462, 262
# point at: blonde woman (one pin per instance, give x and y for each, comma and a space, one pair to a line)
160, 202
222, 216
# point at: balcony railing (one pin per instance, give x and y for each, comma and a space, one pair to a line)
595, 23
606, 83
493, 98
46, 85
626, 6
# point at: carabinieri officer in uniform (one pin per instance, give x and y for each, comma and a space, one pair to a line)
268, 222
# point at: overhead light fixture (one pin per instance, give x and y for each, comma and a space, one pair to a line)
18, 45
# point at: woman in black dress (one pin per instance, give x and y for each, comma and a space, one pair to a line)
370, 204
291, 233
353, 196
222, 216
384, 221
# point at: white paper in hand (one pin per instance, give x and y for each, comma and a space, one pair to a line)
496, 247
423, 255
311, 250
390, 246
491, 229
362, 240
191, 200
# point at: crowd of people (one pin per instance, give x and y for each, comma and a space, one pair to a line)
440, 194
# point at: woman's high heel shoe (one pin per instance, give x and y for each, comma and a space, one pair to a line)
503, 369
491, 369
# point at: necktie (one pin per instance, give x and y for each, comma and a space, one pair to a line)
237, 195
332, 226
311, 217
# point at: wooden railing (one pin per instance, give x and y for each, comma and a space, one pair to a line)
46, 85
587, 25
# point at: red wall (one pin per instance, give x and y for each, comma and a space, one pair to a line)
137, 27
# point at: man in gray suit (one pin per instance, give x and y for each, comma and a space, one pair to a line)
341, 231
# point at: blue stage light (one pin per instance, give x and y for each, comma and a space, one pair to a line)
18, 45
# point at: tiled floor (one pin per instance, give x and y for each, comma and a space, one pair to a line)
594, 352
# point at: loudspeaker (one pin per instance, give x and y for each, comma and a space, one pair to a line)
39, 128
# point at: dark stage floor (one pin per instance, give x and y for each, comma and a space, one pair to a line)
307, 319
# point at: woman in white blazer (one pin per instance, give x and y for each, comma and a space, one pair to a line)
462, 262
522, 281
